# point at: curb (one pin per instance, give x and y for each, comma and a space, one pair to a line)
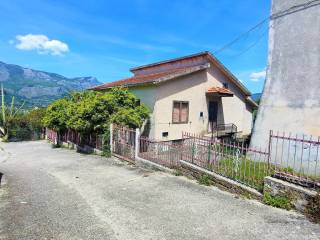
223, 180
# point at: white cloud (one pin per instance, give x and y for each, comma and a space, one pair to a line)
257, 76
41, 43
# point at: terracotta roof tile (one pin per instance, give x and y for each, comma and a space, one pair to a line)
151, 78
220, 90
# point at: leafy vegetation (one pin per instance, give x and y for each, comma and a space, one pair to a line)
18, 124
277, 201
178, 172
205, 180
8, 115
91, 112
27, 125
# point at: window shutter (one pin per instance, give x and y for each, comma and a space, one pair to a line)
176, 112
184, 112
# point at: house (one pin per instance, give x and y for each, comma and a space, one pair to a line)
290, 102
194, 93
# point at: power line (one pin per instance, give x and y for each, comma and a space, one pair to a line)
253, 44
241, 36
293, 9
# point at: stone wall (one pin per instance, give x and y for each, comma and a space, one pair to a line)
299, 197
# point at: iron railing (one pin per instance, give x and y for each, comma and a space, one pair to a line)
296, 158
123, 142
92, 140
163, 153
234, 160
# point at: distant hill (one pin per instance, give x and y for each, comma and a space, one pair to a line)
256, 96
38, 88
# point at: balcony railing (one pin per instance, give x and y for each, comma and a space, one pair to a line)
224, 130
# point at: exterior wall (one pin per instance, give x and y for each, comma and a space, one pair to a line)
234, 109
189, 88
147, 95
291, 99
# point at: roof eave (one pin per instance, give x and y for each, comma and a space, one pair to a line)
252, 102
230, 74
159, 80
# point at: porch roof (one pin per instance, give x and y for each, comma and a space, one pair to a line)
220, 91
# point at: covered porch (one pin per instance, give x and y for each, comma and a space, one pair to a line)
217, 127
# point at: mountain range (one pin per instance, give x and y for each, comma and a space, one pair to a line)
38, 88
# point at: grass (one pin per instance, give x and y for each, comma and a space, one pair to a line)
205, 180
178, 172
247, 171
277, 201
251, 172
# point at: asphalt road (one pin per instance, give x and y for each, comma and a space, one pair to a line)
60, 194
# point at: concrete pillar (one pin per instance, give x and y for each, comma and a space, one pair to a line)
111, 137
137, 143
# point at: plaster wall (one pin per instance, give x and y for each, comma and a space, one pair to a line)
291, 97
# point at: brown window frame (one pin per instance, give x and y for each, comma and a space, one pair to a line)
180, 103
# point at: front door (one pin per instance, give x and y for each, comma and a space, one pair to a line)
213, 115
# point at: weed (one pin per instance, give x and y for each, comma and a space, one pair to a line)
313, 209
277, 201
56, 145
205, 180
178, 172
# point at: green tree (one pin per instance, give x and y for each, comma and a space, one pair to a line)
56, 116
8, 115
92, 112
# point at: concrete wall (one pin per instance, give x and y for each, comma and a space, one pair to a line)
291, 95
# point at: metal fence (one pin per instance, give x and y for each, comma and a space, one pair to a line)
296, 158
71, 136
289, 158
123, 142
163, 153
52, 136
234, 160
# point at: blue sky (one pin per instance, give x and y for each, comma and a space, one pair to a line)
105, 38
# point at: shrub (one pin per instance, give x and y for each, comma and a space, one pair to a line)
91, 112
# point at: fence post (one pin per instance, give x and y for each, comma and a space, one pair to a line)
269, 149
137, 143
111, 137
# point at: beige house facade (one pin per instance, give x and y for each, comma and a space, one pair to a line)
192, 94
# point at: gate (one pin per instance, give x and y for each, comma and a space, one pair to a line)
123, 143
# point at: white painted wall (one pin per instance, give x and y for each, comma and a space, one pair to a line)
189, 88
